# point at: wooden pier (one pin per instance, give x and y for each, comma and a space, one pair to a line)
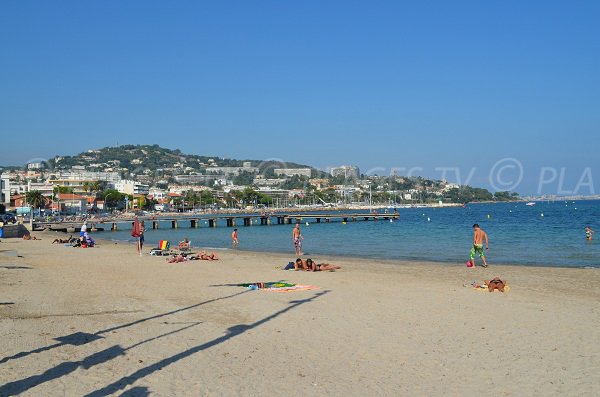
212, 220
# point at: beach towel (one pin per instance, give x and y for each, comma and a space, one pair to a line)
298, 287
278, 286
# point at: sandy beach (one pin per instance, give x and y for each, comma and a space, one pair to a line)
104, 321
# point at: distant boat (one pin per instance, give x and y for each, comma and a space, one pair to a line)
530, 204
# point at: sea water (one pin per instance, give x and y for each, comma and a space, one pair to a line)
546, 234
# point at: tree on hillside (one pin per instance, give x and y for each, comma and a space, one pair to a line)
244, 178
295, 182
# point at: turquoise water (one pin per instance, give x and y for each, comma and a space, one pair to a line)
519, 235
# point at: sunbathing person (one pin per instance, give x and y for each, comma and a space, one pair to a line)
314, 267
62, 241
184, 245
177, 259
204, 256
300, 265
495, 283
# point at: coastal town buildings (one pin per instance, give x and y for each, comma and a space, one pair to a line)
345, 171
289, 172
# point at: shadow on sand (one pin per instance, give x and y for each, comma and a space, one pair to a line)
81, 338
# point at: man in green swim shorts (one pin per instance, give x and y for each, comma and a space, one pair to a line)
479, 236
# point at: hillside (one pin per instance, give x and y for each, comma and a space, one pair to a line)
154, 157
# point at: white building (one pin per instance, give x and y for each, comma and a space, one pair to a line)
183, 189
158, 194
235, 171
131, 187
46, 189
4, 189
293, 171
347, 171
187, 179
35, 166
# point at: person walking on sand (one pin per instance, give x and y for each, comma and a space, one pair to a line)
234, 238
297, 238
479, 236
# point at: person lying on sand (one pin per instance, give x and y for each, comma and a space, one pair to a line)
177, 259
62, 241
300, 265
30, 237
313, 266
201, 256
204, 256
495, 283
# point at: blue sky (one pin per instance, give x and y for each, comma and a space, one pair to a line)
388, 84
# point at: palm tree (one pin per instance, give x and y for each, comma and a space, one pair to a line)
35, 199
96, 186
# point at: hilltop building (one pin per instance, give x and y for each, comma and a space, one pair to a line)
235, 171
293, 172
347, 171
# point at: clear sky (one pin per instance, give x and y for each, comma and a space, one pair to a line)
379, 84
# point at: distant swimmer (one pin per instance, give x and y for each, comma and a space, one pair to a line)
589, 233
479, 236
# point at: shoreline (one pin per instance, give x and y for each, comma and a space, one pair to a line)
455, 264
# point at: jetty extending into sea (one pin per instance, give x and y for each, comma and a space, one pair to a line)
213, 220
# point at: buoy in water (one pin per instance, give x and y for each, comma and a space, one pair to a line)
428, 219
542, 215
307, 224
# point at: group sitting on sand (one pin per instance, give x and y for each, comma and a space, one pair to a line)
201, 256
311, 266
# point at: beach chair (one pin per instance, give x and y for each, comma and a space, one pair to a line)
162, 249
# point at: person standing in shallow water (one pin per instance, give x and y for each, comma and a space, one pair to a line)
297, 238
479, 236
589, 233
234, 238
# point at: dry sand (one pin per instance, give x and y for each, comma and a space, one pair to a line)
104, 321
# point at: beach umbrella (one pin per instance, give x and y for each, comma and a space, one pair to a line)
136, 230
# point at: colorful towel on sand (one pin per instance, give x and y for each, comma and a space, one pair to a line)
278, 287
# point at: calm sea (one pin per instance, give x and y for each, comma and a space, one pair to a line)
547, 234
